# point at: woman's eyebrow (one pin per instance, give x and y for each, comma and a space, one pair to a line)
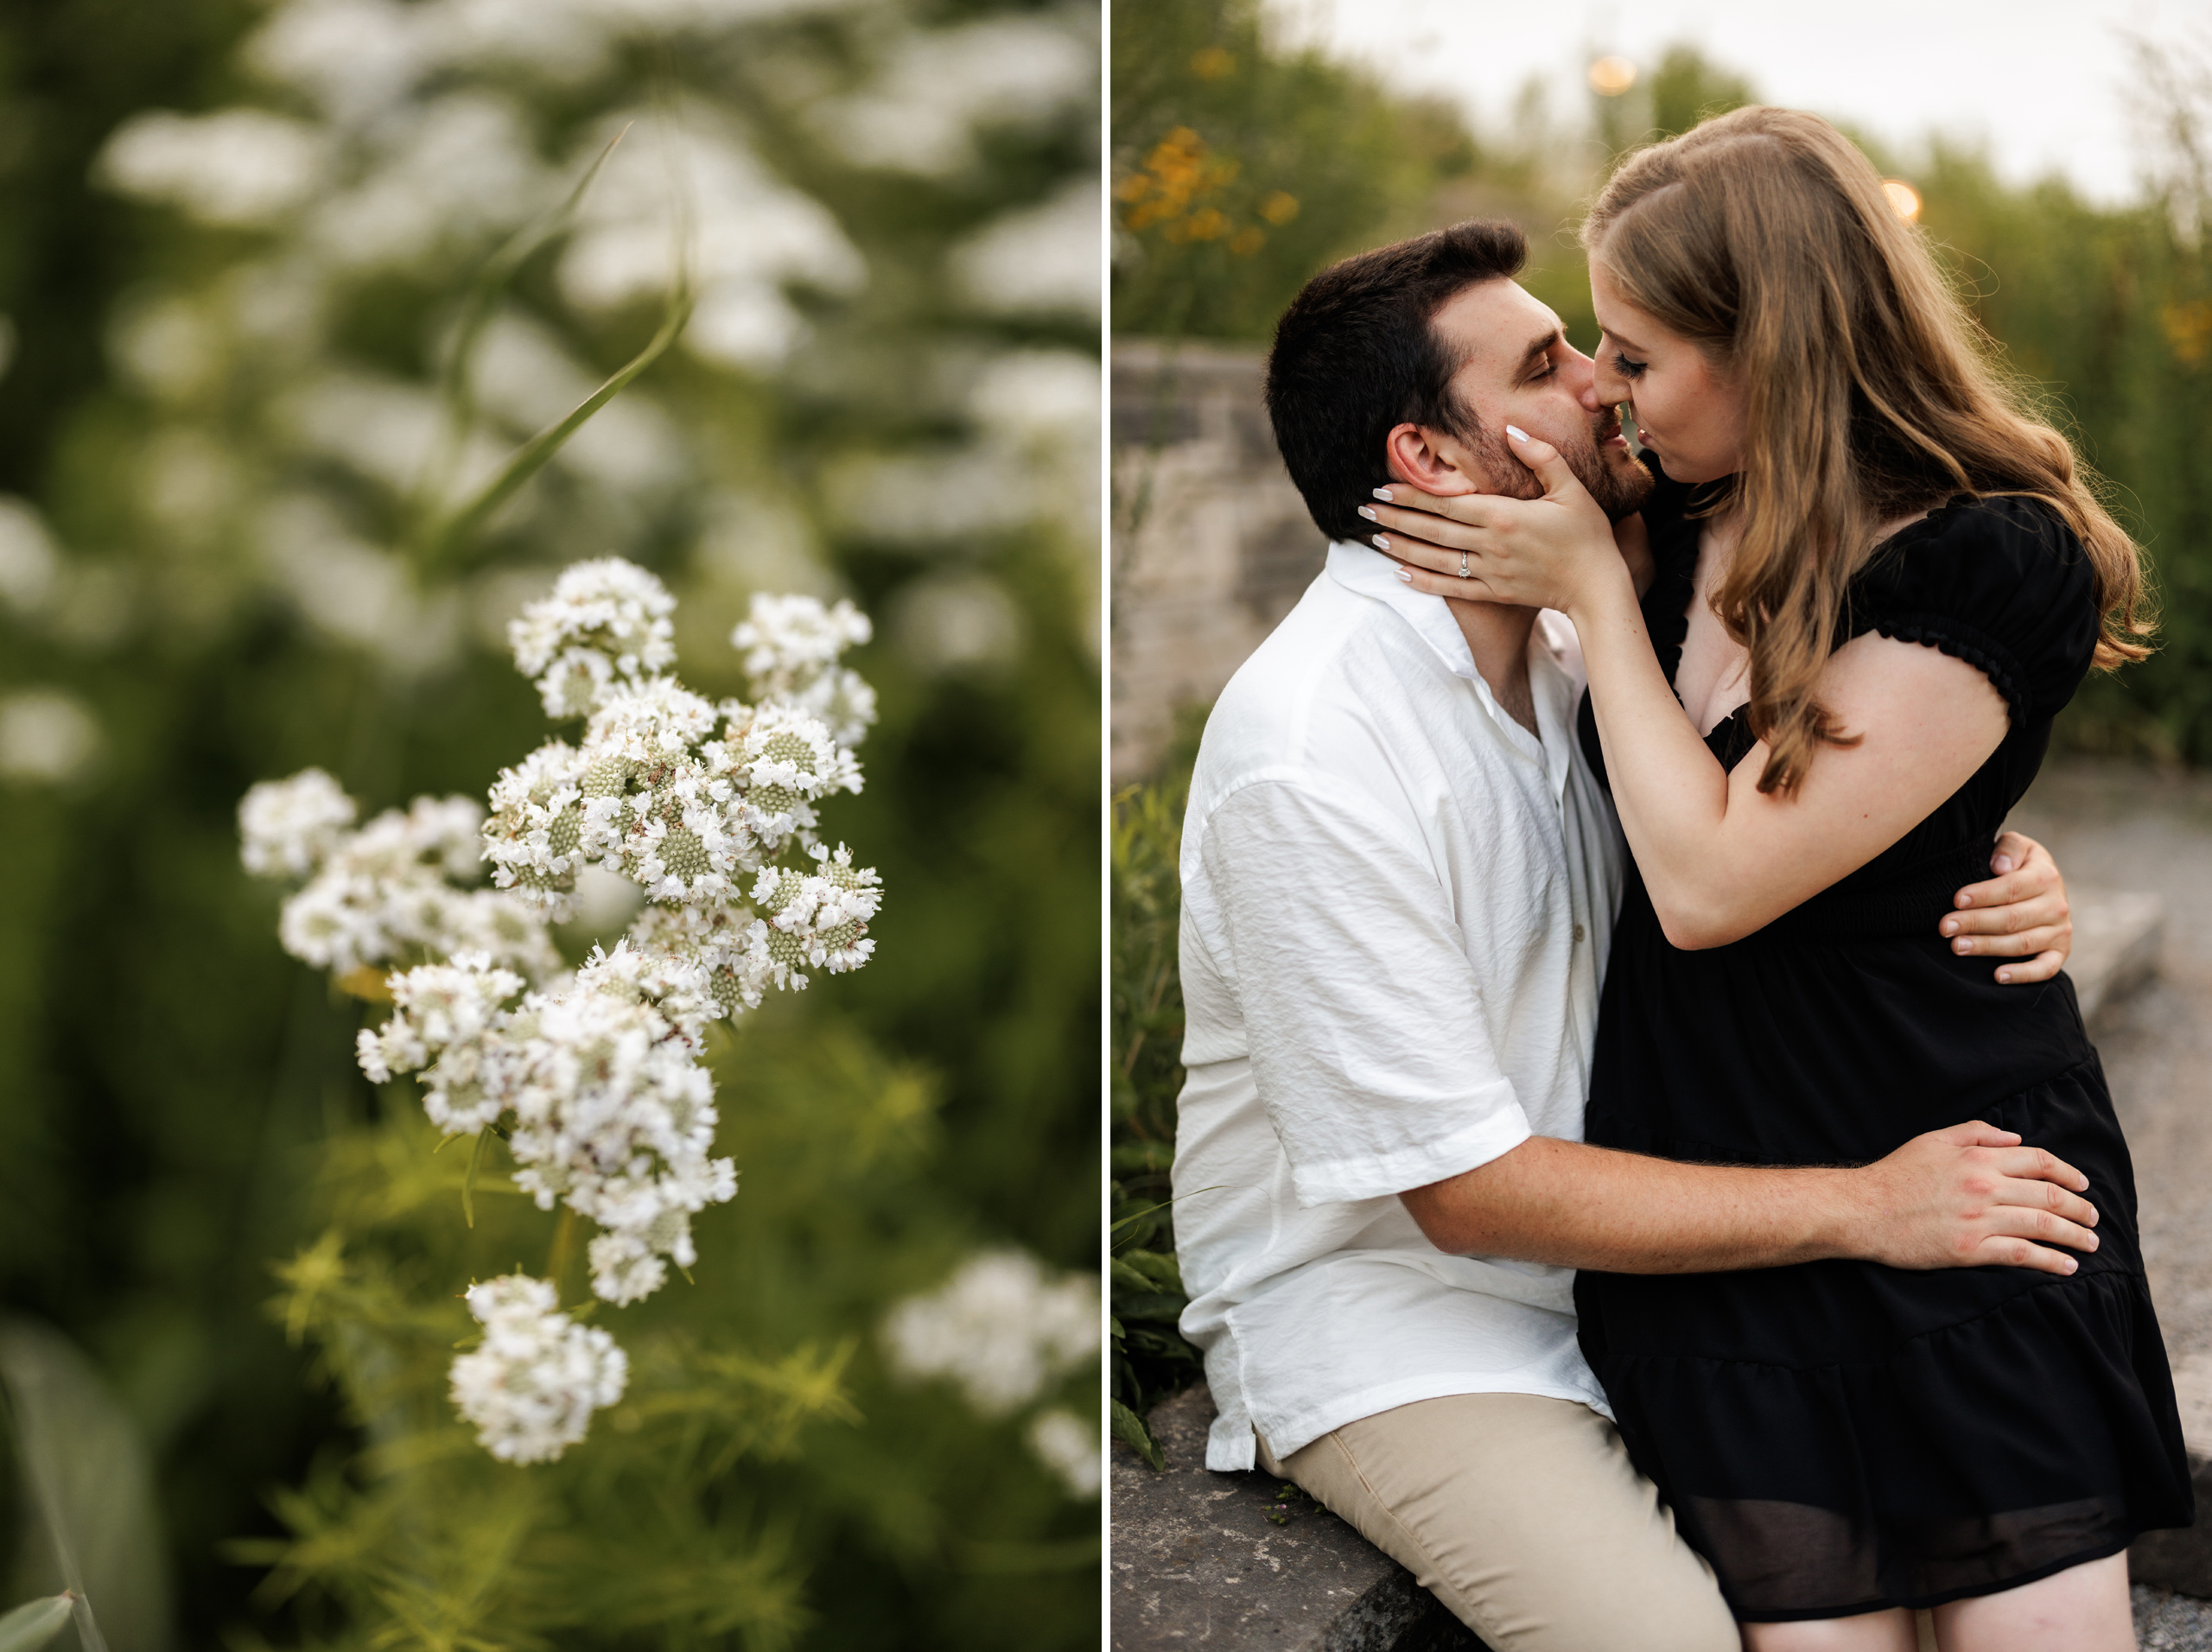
1620, 343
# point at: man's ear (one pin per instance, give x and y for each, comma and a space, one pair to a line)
1427, 459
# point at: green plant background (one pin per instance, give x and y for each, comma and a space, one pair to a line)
179, 1112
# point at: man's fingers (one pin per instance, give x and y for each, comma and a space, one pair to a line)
2040, 911
2005, 1252
2049, 1198
2027, 944
2041, 967
1976, 1133
2037, 1167
2013, 1220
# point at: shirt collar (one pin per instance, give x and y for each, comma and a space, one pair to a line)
1369, 572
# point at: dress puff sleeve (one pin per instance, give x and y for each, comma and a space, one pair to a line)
2002, 583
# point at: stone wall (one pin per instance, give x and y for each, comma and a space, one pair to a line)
1211, 544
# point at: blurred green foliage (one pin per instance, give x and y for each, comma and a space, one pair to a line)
2104, 312
179, 1106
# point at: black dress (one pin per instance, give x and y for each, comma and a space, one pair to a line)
1839, 1437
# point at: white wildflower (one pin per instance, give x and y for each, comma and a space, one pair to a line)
606, 621
819, 920
999, 1328
1068, 1449
288, 828
791, 645
445, 1024
387, 892
244, 167
533, 1382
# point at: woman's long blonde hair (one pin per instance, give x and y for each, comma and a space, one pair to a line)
1766, 236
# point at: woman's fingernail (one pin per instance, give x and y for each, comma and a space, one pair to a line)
1384, 494
1407, 575
2002, 863
1369, 514
2071, 1264
1962, 946
1950, 926
1517, 433
2004, 975
1382, 541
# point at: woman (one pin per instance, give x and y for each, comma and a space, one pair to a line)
1878, 579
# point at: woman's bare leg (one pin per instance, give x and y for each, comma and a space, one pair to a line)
1886, 1632
2082, 1609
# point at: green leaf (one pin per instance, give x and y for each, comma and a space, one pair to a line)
1129, 1429
31, 1625
468, 1182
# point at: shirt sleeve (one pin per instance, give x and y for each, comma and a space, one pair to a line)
1362, 1012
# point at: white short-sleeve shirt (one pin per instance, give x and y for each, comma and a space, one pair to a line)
1396, 904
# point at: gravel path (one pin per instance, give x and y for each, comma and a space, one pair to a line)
2117, 826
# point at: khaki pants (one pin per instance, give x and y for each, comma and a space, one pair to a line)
1524, 1517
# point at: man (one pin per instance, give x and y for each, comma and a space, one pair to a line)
1399, 885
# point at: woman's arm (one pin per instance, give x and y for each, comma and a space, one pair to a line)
1720, 859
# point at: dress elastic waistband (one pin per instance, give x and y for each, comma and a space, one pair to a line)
1905, 902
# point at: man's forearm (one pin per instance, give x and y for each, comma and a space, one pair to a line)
1971, 1196
1580, 1206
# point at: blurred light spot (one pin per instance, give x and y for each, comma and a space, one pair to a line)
948, 621
48, 736
1904, 199
1212, 63
1279, 207
1247, 241
1040, 259
1610, 76
236, 166
165, 345
28, 561
938, 86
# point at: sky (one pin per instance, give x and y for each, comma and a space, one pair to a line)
2044, 82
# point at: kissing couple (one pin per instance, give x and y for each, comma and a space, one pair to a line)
1640, 1162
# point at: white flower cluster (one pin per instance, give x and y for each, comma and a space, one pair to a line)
791, 645
532, 1383
390, 892
605, 621
594, 1078
598, 1083
999, 1328
692, 801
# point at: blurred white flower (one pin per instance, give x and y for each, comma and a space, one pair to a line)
166, 344
943, 621
48, 736
749, 234
761, 542
239, 167
1038, 260
354, 57
1071, 1451
917, 113
999, 1328
28, 561
454, 172
288, 827
533, 1382
353, 591
521, 374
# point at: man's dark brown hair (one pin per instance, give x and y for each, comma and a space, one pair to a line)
1355, 356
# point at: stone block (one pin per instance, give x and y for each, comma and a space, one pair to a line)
2117, 934
1226, 1561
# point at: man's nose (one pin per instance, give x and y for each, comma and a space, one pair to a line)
1581, 372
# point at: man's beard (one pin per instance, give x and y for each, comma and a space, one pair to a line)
1619, 485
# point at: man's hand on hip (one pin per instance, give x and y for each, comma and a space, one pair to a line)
1971, 1196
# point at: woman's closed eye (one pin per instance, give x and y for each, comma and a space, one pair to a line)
1625, 367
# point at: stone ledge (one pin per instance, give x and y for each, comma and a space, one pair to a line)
2117, 934
1219, 1559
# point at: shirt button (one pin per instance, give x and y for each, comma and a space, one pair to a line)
1577, 935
